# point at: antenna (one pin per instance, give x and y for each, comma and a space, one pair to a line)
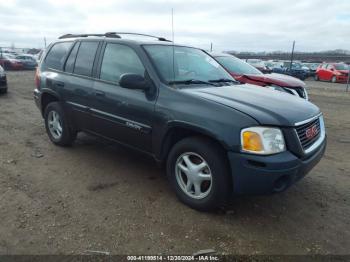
172, 32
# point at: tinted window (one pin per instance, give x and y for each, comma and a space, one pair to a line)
71, 59
189, 63
85, 58
119, 60
235, 65
341, 67
57, 54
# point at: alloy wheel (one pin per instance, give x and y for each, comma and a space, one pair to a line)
193, 175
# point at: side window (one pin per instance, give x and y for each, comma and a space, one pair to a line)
71, 59
55, 57
118, 60
324, 66
85, 58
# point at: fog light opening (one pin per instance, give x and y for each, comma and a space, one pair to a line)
281, 184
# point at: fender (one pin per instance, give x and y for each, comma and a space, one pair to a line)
163, 144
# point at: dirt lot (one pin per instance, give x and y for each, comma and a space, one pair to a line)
99, 196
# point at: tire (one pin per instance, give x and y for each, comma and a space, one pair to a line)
316, 77
56, 120
334, 79
210, 193
3, 91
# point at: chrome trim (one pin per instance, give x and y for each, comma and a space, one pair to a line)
77, 105
306, 94
319, 141
120, 118
308, 120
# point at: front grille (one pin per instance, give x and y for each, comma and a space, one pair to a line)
302, 129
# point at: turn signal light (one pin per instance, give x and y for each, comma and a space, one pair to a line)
252, 141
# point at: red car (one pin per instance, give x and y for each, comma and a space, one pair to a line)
245, 73
8, 62
334, 72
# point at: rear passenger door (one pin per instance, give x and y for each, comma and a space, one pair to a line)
124, 115
78, 83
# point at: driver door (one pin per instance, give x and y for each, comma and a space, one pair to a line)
124, 115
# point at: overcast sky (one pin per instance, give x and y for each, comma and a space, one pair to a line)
249, 25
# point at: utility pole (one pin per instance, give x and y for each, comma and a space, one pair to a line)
291, 57
347, 84
211, 47
45, 42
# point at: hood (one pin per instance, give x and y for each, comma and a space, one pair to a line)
268, 107
277, 79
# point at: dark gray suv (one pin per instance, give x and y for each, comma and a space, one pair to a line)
176, 103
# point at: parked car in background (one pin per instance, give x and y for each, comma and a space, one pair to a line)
9, 62
180, 106
28, 61
245, 73
312, 68
37, 56
3, 81
334, 72
295, 70
260, 65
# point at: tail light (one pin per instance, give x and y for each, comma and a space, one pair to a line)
37, 78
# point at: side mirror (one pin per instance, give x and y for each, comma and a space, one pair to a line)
133, 81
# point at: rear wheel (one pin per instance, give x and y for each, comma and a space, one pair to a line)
57, 126
316, 77
198, 171
3, 91
334, 79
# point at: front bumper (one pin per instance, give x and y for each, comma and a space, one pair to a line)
342, 78
253, 174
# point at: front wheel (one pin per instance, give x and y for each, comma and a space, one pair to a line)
198, 171
316, 77
334, 79
57, 126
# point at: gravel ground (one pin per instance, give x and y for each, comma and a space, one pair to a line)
100, 196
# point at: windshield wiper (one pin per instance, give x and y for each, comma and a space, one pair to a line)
222, 80
191, 81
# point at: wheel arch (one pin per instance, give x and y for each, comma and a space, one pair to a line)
177, 131
47, 97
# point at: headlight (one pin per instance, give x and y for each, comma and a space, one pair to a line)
262, 140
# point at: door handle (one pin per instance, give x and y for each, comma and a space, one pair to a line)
99, 93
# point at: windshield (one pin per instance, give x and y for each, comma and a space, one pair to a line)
341, 67
237, 66
188, 64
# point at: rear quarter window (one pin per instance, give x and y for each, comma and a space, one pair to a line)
85, 58
57, 54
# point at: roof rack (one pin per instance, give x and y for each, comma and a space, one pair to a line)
113, 35
86, 35
137, 34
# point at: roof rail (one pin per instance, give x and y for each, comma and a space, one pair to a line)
86, 35
137, 34
113, 35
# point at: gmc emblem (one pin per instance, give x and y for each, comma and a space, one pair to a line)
311, 132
